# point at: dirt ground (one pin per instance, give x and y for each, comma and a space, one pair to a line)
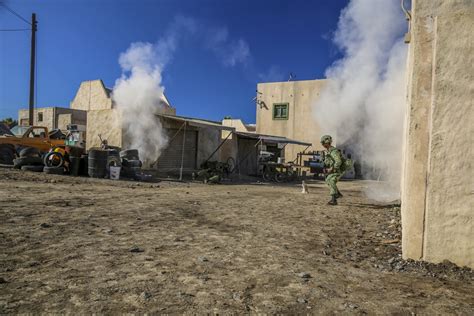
83, 245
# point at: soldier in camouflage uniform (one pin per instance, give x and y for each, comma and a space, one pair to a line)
335, 165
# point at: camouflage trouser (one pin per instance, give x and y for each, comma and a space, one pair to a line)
331, 181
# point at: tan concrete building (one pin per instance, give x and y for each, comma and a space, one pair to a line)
437, 185
238, 125
190, 141
102, 115
53, 117
285, 109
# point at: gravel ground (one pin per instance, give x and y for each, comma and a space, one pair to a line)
78, 245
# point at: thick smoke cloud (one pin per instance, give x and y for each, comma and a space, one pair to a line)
363, 104
138, 93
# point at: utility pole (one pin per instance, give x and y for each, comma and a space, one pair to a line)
32, 68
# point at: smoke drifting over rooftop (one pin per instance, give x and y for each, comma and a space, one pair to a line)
138, 93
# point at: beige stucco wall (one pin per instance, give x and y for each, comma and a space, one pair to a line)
64, 120
107, 123
300, 95
437, 199
54, 117
237, 124
48, 117
91, 95
230, 147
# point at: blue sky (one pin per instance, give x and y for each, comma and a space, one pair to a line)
82, 40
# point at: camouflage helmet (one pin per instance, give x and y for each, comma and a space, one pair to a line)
326, 139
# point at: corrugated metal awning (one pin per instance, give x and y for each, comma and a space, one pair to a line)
196, 122
272, 139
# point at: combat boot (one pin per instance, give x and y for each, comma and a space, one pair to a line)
339, 194
333, 200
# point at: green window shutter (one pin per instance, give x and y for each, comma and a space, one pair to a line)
280, 111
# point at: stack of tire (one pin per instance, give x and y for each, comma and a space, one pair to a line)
53, 163
131, 164
29, 160
7, 154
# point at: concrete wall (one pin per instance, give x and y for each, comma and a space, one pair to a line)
91, 95
64, 120
54, 117
300, 95
437, 199
209, 139
230, 148
48, 117
108, 123
237, 124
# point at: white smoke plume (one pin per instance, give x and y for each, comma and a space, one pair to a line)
363, 104
139, 94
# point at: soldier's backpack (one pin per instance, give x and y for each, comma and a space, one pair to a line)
346, 164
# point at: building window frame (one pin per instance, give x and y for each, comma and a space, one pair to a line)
277, 114
40, 116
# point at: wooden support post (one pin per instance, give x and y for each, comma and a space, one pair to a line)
182, 153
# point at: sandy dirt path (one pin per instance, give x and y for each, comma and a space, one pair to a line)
98, 246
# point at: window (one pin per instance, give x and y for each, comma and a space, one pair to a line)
280, 111
40, 116
37, 133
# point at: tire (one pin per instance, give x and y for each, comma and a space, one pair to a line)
113, 161
280, 177
130, 154
5, 166
7, 155
34, 168
27, 161
29, 152
267, 176
131, 163
53, 170
291, 175
47, 159
130, 172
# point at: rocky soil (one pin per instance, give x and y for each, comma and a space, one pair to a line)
79, 245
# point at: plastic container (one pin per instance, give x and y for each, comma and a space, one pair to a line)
115, 172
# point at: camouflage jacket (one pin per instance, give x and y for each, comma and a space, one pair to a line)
333, 159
